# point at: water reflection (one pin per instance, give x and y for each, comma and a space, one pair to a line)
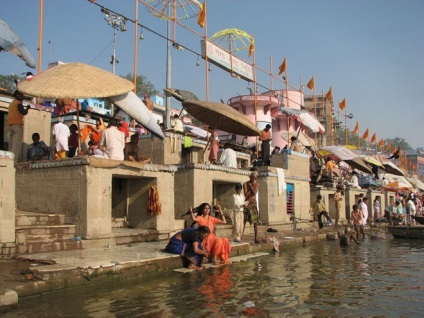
381, 277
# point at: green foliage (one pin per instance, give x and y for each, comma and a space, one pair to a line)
340, 137
143, 85
399, 143
8, 81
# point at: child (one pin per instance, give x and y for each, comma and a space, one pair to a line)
238, 217
73, 141
319, 211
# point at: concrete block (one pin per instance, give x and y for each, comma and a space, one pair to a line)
8, 298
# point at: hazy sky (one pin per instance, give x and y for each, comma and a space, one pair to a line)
370, 52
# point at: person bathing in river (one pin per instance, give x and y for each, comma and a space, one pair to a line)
188, 243
358, 221
218, 248
347, 237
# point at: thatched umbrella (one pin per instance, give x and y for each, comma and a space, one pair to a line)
75, 80
221, 117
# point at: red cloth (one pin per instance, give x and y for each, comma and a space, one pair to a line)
124, 128
220, 247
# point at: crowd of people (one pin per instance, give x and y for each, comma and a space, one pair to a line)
105, 141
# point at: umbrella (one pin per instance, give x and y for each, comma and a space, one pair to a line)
390, 167
346, 155
179, 94
398, 186
221, 116
303, 138
9, 41
417, 183
133, 106
75, 80
373, 161
305, 118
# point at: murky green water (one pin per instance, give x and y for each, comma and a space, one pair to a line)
379, 278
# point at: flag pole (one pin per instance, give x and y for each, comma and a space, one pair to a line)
345, 115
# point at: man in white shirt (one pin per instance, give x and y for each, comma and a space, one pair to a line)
177, 124
238, 216
113, 141
61, 134
410, 208
228, 157
364, 208
354, 181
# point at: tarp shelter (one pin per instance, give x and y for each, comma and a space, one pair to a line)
346, 155
305, 118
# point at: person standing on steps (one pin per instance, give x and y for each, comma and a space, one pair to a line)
265, 138
319, 211
338, 198
250, 188
15, 122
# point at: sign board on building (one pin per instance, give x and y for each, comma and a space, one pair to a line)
225, 60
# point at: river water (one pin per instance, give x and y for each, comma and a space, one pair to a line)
381, 277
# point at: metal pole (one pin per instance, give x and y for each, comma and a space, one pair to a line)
167, 120
114, 51
40, 39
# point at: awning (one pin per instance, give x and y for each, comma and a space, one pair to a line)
417, 183
9, 41
304, 117
346, 155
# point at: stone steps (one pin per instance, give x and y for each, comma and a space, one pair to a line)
44, 232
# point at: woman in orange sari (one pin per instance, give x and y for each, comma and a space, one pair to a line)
218, 248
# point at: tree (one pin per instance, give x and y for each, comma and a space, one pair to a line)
8, 81
143, 86
398, 143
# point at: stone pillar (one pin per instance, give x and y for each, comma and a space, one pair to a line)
7, 198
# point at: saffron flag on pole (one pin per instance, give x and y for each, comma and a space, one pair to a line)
329, 94
342, 104
373, 138
311, 84
356, 129
252, 46
202, 15
283, 67
365, 135
388, 146
381, 143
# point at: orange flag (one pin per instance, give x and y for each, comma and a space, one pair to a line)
388, 146
251, 47
329, 94
311, 84
356, 129
283, 67
342, 104
365, 135
381, 143
374, 138
202, 16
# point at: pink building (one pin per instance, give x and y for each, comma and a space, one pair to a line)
268, 112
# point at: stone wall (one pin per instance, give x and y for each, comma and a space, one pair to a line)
7, 198
82, 190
